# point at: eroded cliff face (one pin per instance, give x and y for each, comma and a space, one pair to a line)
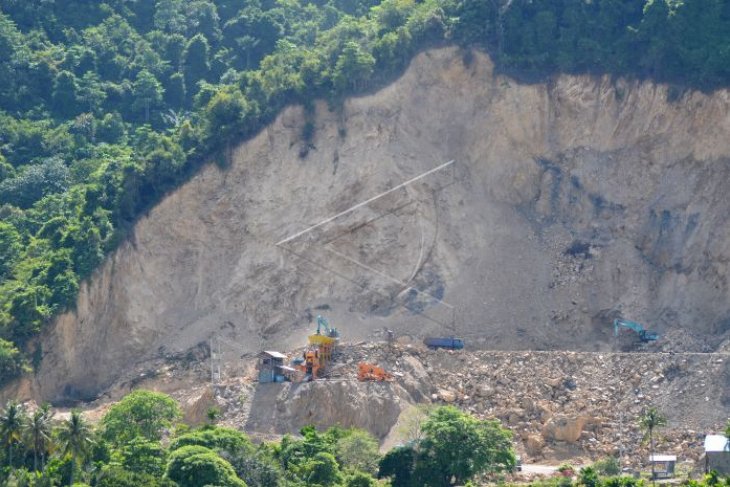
568, 204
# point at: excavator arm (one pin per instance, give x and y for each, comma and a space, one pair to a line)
644, 335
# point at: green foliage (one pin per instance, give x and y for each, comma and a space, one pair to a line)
219, 456
258, 468
398, 465
216, 438
194, 466
75, 438
321, 470
360, 479
144, 414
11, 362
293, 453
358, 450
608, 466
225, 114
622, 481
12, 419
650, 420
34, 182
38, 430
459, 446
141, 455
588, 477
119, 477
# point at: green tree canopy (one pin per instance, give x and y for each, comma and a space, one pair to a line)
216, 438
358, 450
144, 414
456, 447
195, 466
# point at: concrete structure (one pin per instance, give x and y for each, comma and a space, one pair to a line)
717, 454
663, 465
271, 367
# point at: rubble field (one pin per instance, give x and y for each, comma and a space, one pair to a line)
577, 406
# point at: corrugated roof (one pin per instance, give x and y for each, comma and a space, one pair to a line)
274, 354
663, 458
716, 443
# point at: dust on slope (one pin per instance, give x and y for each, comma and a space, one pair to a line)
608, 167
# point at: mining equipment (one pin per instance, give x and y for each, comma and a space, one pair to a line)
318, 353
370, 372
449, 343
644, 335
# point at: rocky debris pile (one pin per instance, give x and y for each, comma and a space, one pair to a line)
566, 404
560, 405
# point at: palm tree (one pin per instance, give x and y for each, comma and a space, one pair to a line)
650, 419
75, 439
38, 432
11, 426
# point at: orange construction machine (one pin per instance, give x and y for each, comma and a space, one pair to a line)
310, 364
319, 351
366, 371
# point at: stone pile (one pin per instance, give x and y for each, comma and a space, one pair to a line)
568, 403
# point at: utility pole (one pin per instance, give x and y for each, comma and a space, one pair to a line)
215, 360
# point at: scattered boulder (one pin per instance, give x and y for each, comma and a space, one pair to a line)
534, 445
447, 395
563, 428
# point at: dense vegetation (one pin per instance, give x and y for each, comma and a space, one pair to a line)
107, 105
140, 441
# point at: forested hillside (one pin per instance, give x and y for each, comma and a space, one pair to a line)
106, 106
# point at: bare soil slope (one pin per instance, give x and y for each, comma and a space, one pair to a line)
569, 203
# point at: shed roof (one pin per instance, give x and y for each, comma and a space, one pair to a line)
663, 458
715, 443
274, 354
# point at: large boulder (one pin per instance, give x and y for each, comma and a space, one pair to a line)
564, 428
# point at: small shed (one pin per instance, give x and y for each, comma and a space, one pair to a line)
717, 454
663, 465
270, 366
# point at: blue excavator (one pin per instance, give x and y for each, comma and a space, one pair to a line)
323, 325
644, 335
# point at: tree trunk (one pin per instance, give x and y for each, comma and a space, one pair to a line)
73, 467
651, 454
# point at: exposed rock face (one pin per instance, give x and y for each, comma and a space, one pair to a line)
286, 408
569, 203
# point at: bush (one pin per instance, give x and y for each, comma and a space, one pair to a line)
588, 477
608, 466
